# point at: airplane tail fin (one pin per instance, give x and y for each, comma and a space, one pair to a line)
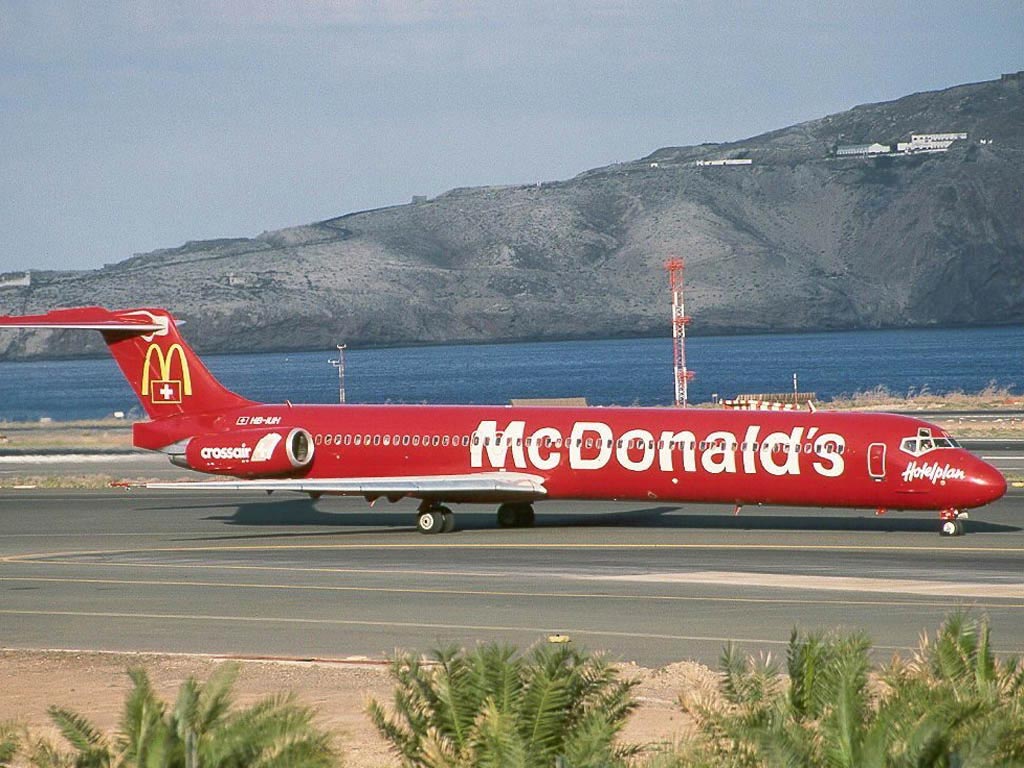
167, 376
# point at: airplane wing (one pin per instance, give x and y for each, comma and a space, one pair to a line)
480, 486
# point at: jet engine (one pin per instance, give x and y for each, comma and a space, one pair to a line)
248, 453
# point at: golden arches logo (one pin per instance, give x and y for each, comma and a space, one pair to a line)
165, 390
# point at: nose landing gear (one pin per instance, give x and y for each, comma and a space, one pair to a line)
952, 522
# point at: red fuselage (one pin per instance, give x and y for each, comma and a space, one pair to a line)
684, 455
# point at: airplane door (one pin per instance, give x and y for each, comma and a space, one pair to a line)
876, 461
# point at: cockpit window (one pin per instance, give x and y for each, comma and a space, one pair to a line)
925, 442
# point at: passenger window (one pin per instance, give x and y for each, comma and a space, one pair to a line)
435, 440
416, 440
376, 439
405, 439
358, 439
348, 439
387, 439
318, 439
444, 440
465, 440
328, 439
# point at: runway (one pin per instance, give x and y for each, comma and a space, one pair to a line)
655, 583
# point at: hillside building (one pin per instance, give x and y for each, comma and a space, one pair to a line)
929, 142
731, 161
863, 150
16, 280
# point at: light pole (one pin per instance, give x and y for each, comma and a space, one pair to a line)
340, 365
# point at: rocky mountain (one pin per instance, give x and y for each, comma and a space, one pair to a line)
799, 239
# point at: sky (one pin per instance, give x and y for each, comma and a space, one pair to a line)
129, 125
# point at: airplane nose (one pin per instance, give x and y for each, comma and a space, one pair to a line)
988, 482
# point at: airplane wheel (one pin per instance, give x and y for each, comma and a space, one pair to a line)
430, 521
507, 516
515, 515
952, 528
449, 520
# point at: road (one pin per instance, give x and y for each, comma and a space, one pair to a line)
252, 575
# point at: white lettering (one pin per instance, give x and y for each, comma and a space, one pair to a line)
544, 435
498, 444
829, 447
591, 445
749, 441
779, 445
933, 472
686, 442
646, 440
720, 455
242, 452
603, 440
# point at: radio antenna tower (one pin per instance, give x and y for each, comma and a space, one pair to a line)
340, 365
681, 375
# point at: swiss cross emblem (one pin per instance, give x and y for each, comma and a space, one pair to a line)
165, 391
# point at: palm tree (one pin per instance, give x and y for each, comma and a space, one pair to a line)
10, 742
201, 729
953, 704
490, 706
958, 669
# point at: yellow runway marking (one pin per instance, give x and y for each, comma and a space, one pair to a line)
420, 626
506, 593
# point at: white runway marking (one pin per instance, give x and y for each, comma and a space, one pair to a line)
65, 458
811, 583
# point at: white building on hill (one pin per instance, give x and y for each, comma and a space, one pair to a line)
930, 142
854, 150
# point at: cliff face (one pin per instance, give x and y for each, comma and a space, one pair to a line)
798, 240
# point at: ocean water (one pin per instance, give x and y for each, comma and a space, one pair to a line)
606, 372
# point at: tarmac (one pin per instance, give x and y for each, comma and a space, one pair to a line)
251, 575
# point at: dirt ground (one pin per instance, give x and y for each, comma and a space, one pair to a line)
95, 685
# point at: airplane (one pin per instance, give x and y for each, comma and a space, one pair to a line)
515, 456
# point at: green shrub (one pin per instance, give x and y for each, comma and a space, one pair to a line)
952, 704
490, 706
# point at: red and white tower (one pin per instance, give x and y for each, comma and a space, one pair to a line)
682, 376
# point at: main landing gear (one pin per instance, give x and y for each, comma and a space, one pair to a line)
952, 522
433, 517
515, 515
